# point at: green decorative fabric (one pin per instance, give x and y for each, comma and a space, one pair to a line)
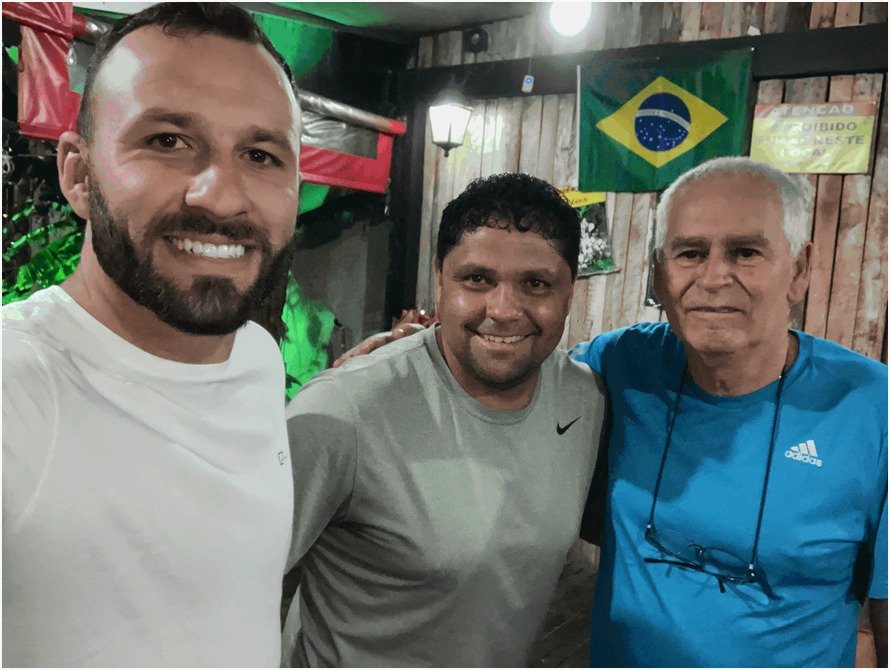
312, 196
300, 44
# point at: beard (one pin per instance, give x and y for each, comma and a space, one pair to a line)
211, 305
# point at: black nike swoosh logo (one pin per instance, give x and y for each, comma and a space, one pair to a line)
560, 429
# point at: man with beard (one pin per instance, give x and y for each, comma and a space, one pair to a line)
147, 500
439, 483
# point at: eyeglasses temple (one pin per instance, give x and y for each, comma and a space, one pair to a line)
769, 465
667, 444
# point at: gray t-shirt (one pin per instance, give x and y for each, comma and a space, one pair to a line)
430, 529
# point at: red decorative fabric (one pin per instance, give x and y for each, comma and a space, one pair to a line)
322, 166
48, 17
46, 104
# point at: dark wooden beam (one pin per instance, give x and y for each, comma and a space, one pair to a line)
406, 200
825, 52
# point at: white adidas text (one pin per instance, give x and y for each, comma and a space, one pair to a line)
805, 452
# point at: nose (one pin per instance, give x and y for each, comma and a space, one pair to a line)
503, 303
715, 273
218, 189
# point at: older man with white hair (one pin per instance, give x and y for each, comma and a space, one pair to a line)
746, 514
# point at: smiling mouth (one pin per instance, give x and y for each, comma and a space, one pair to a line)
209, 249
502, 339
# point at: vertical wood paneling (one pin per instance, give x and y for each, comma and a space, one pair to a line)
752, 17
624, 25
565, 159
512, 136
596, 298
530, 134
828, 203
690, 16
774, 17
851, 234
731, 26
651, 18
671, 22
847, 14
633, 287
577, 319
871, 310
448, 48
547, 139
425, 52
646, 313
874, 12
711, 22
621, 230
822, 14
466, 160
491, 137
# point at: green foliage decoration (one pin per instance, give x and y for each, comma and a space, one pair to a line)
304, 347
59, 243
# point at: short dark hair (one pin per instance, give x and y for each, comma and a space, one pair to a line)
512, 200
175, 18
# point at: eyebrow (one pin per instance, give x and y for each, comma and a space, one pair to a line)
258, 134
755, 239
476, 268
161, 115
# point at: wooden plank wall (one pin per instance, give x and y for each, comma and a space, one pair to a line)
847, 301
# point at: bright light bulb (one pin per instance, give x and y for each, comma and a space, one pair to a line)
569, 18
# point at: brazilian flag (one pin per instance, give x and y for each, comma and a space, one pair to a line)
643, 123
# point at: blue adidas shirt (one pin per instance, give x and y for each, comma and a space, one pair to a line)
826, 507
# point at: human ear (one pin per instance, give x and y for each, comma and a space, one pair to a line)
800, 281
74, 177
657, 277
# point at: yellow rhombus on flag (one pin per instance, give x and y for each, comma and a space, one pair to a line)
620, 124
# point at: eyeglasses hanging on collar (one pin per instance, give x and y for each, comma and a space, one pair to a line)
682, 552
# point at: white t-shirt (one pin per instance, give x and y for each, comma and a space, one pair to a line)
147, 504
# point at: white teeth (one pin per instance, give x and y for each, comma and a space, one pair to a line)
504, 340
210, 250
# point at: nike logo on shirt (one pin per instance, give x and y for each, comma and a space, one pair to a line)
560, 429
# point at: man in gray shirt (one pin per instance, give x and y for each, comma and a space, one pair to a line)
439, 481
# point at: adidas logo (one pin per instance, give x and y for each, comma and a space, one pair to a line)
805, 452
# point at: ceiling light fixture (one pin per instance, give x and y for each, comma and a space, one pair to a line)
569, 18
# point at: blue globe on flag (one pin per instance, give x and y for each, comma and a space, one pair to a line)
662, 122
